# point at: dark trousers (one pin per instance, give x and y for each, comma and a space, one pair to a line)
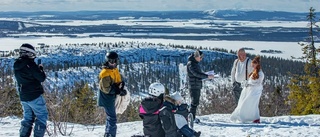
195, 99
186, 131
237, 91
111, 122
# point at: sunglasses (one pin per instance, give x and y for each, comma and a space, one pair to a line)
112, 61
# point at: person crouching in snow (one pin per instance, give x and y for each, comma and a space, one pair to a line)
149, 111
174, 115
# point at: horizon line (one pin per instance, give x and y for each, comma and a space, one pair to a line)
156, 10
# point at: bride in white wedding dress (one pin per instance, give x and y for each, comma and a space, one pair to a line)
247, 109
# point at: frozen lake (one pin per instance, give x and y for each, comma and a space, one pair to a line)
288, 48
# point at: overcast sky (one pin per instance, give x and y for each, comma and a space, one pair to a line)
156, 5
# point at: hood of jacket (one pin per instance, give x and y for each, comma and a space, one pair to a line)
167, 98
192, 59
170, 103
152, 104
21, 63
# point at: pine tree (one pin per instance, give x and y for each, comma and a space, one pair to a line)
10, 102
84, 106
304, 96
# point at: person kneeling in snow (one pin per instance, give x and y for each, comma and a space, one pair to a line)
149, 111
173, 117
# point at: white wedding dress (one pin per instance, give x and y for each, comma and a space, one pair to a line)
247, 109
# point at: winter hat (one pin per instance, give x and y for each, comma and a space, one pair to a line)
27, 50
198, 53
176, 96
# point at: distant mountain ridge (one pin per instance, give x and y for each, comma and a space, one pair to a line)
251, 15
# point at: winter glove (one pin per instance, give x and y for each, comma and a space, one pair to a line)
115, 88
123, 92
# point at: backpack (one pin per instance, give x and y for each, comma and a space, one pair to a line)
168, 122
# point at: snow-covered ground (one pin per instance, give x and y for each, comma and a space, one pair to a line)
215, 125
288, 48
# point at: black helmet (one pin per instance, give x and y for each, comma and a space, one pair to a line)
112, 57
27, 50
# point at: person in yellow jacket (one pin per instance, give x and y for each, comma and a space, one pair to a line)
110, 85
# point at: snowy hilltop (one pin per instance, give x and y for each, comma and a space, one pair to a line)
71, 67
211, 126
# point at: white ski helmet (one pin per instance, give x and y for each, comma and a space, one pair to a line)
155, 89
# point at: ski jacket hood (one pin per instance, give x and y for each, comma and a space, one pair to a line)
151, 105
192, 59
169, 99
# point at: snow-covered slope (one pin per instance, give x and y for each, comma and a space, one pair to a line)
211, 126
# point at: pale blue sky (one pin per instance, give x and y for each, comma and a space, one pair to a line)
156, 5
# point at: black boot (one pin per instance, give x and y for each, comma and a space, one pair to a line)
25, 131
108, 135
39, 130
193, 110
197, 134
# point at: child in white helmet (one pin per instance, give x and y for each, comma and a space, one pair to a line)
149, 111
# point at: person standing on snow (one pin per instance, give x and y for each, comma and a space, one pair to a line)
110, 85
247, 109
29, 76
195, 77
149, 111
239, 73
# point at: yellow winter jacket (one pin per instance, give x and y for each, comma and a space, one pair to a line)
107, 77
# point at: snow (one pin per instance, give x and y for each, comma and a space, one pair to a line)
154, 21
124, 34
288, 48
214, 125
211, 125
